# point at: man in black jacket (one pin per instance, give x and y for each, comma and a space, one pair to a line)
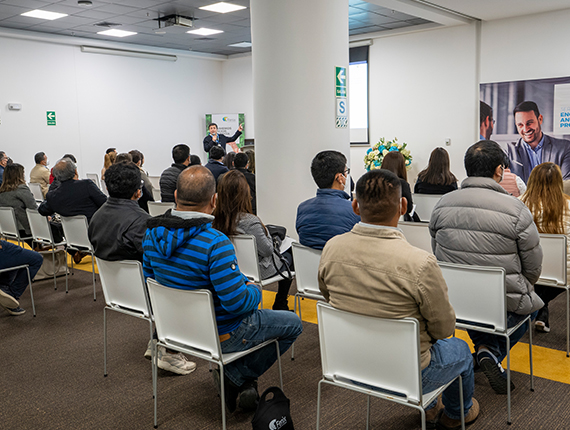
215, 164
168, 178
215, 139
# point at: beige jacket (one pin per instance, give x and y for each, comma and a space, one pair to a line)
375, 271
40, 175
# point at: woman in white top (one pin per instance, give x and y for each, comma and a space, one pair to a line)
550, 208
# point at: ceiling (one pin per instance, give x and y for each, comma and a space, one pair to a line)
141, 16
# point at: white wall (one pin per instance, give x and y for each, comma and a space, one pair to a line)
102, 101
237, 90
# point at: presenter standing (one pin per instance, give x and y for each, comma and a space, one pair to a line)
213, 138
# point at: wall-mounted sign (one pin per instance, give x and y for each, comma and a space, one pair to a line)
341, 118
50, 116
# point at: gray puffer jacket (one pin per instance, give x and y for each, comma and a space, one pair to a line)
482, 225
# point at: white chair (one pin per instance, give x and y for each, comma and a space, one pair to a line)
155, 181
24, 266
246, 254
41, 234
158, 208
124, 289
424, 204
156, 195
77, 238
479, 297
104, 188
554, 272
9, 225
417, 234
306, 261
36, 190
185, 321
374, 356
95, 178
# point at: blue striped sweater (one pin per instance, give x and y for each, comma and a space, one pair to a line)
189, 254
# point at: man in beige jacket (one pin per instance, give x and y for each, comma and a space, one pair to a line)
373, 270
40, 172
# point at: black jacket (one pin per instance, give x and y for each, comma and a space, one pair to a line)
73, 197
222, 140
217, 168
168, 181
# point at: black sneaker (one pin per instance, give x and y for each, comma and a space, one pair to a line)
248, 396
231, 391
541, 322
494, 372
16, 311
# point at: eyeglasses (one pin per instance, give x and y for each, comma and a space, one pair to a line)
346, 172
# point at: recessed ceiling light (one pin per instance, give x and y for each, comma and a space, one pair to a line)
44, 14
222, 7
204, 31
116, 33
241, 45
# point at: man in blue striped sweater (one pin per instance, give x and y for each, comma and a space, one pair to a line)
182, 250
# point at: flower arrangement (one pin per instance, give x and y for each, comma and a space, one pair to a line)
375, 155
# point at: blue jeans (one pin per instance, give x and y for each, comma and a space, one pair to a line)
15, 282
255, 329
498, 344
450, 358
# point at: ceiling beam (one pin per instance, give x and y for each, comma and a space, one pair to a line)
426, 10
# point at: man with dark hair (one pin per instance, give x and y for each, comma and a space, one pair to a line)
534, 147
181, 157
205, 259
330, 212
123, 157
215, 139
215, 164
147, 196
241, 163
195, 160
3, 162
407, 283
486, 121
481, 225
40, 172
109, 150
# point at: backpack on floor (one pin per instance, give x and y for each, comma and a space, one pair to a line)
273, 414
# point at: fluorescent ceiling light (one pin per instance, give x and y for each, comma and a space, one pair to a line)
204, 31
241, 45
222, 7
116, 33
44, 14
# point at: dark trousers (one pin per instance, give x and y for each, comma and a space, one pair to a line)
15, 282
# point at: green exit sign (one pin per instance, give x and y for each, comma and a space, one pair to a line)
50, 116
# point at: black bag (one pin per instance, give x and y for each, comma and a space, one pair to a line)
278, 234
273, 414
277, 231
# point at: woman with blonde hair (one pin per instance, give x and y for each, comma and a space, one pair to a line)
233, 216
110, 157
550, 208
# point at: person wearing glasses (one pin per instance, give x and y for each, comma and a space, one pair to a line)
534, 147
330, 212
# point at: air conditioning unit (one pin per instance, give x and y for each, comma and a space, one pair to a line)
177, 20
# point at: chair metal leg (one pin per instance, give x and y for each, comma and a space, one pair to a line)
368, 414
461, 402
319, 405
105, 341
53, 259
31, 290
422, 414
222, 394
155, 378
296, 298
508, 380
66, 270
93, 269
279, 363
567, 322
530, 355
152, 357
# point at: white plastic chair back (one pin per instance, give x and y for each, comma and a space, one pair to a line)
75, 231
185, 318
158, 208
477, 294
425, 204
417, 234
246, 253
104, 188
554, 260
156, 194
95, 178
8, 224
381, 353
123, 285
306, 269
36, 190
39, 225
155, 181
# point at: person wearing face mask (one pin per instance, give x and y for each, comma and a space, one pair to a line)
330, 212
482, 225
40, 172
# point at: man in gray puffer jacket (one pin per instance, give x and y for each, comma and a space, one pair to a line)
482, 225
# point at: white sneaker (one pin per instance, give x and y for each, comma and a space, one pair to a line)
7, 301
175, 363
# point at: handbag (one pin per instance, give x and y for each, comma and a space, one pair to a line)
273, 414
278, 233
48, 269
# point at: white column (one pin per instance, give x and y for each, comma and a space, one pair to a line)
297, 44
